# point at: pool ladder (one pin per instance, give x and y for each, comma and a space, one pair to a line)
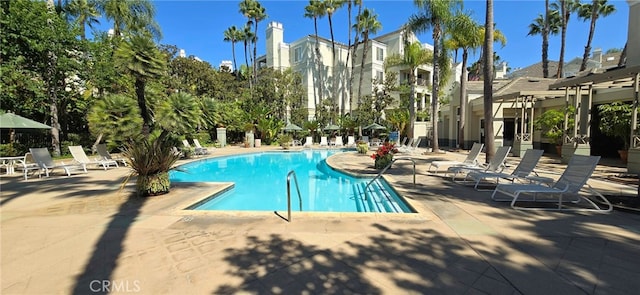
366, 188
295, 178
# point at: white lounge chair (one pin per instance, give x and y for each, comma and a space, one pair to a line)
351, 141
46, 163
196, 151
472, 159
199, 147
27, 164
81, 157
410, 148
102, 151
524, 169
338, 142
496, 164
323, 141
308, 142
566, 189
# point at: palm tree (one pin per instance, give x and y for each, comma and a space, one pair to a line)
545, 27
140, 57
593, 11
350, 4
136, 16
433, 15
85, 13
314, 10
368, 24
565, 8
465, 34
488, 82
354, 48
330, 7
233, 35
254, 12
414, 56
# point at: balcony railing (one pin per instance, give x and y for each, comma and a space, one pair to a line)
522, 137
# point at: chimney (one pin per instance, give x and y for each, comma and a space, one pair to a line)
597, 56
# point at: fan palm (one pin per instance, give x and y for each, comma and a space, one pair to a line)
85, 13
254, 12
433, 14
314, 10
233, 35
134, 16
116, 117
180, 114
140, 57
545, 28
592, 11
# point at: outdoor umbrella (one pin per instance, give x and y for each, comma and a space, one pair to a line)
332, 127
291, 127
12, 121
374, 126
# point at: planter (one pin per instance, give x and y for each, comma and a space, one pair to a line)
624, 155
257, 142
383, 161
153, 185
558, 149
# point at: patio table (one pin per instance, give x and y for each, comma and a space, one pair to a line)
9, 163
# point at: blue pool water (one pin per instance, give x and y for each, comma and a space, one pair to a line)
260, 184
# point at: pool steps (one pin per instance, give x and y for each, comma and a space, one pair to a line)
376, 199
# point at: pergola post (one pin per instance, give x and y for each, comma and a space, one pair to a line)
633, 159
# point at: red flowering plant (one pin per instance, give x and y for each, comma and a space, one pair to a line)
384, 155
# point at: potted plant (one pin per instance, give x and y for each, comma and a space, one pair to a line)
362, 147
551, 123
150, 160
285, 140
615, 120
384, 155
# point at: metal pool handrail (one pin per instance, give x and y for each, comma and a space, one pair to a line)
295, 178
366, 188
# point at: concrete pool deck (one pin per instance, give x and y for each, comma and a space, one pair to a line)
83, 234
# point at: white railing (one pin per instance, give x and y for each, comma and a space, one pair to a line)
579, 139
523, 137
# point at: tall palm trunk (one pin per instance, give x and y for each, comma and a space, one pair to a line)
545, 41
142, 104
333, 62
255, 52
463, 97
563, 38
434, 89
51, 90
233, 52
319, 64
364, 57
353, 66
488, 83
412, 102
592, 29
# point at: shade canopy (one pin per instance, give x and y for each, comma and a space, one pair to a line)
291, 127
13, 121
332, 127
374, 126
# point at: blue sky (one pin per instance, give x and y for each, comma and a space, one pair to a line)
198, 26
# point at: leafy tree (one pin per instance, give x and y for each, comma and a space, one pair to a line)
434, 15
592, 11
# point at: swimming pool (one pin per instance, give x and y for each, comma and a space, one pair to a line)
260, 184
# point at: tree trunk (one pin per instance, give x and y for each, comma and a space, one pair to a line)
565, 21
255, 53
334, 77
412, 103
623, 56
463, 97
320, 69
545, 41
233, 52
592, 29
488, 83
364, 56
142, 104
434, 89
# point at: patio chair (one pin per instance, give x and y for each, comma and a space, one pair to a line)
81, 157
338, 142
524, 169
102, 151
323, 141
203, 150
46, 163
496, 164
410, 148
351, 141
566, 189
308, 142
196, 151
27, 164
472, 159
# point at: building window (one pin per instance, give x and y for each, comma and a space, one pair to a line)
297, 54
379, 54
379, 76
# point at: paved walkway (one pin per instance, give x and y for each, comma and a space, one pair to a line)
84, 234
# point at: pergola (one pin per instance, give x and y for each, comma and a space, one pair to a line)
621, 84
